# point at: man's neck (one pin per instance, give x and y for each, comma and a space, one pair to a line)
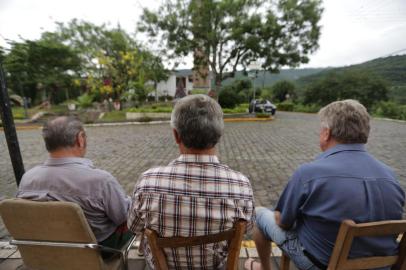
66, 153
190, 151
332, 143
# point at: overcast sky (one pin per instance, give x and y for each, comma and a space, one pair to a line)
353, 31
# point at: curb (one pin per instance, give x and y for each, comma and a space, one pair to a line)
228, 120
248, 119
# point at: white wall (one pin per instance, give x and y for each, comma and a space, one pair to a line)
169, 86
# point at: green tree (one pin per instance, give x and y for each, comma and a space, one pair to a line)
113, 61
42, 65
283, 89
2, 55
226, 34
365, 87
240, 91
155, 70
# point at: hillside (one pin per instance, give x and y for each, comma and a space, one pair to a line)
264, 79
392, 69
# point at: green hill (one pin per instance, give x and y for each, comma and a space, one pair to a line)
392, 69
266, 78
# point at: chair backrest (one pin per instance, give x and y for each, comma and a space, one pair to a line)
51, 222
349, 229
233, 236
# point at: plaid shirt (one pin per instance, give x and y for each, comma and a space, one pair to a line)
194, 195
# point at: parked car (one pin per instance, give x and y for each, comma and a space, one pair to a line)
262, 105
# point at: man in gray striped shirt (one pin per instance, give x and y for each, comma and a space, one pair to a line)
67, 176
195, 194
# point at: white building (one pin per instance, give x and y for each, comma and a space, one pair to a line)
181, 80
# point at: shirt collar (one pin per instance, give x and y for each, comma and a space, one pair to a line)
189, 158
68, 160
341, 148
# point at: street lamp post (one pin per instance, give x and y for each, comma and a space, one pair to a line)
253, 69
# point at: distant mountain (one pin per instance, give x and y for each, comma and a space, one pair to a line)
262, 78
391, 68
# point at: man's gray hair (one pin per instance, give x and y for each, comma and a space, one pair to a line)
61, 132
198, 119
348, 121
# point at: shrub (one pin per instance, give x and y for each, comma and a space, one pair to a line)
85, 101
283, 89
154, 109
391, 110
199, 91
228, 98
286, 106
242, 108
309, 108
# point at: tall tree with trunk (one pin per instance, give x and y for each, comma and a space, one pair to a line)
233, 33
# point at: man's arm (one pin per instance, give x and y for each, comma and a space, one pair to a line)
135, 221
278, 220
290, 202
116, 202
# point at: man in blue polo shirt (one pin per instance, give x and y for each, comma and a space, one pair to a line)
344, 182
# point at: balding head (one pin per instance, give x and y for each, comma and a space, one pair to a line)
61, 132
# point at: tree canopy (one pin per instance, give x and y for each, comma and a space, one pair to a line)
226, 34
41, 65
366, 87
82, 57
283, 90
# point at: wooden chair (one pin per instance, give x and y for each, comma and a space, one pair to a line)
348, 230
234, 237
56, 236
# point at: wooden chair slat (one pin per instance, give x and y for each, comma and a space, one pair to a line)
370, 262
348, 231
233, 236
174, 242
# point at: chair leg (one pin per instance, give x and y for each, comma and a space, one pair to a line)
285, 262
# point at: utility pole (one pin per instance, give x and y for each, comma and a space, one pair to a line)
9, 129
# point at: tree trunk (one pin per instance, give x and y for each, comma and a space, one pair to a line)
156, 91
218, 79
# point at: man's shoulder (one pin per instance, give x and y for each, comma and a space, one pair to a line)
88, 172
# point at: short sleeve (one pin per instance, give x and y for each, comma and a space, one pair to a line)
135, 221
291, 200
116, 202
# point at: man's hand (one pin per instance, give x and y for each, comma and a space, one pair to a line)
278, 220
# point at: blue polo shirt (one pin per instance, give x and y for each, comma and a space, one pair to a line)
344, 182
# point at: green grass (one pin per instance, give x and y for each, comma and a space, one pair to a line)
242, 108
114, 116
18, 112
151, 109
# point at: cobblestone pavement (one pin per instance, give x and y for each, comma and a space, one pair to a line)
267, 152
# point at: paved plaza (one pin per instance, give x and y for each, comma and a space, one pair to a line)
267, 152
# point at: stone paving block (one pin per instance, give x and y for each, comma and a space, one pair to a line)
6, 253
252, 252
16, 255
12, 264
243, 253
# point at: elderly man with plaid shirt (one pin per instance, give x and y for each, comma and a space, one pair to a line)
195, 194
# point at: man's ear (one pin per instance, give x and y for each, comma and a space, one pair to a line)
177, 137
326, 134
81, 139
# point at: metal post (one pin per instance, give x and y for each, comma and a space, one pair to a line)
9, 129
